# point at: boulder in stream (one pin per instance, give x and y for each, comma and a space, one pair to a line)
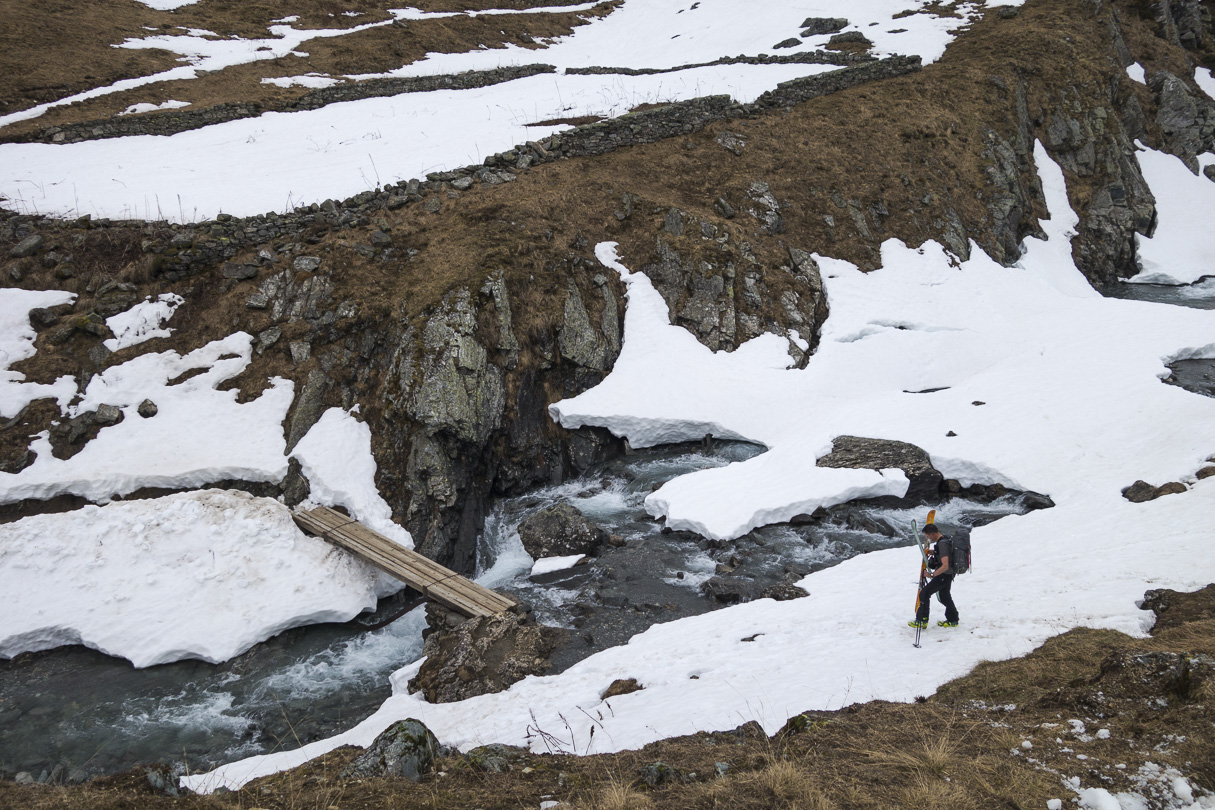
560, 531
483, 655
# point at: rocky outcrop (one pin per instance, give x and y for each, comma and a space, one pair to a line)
560, 531
481, 656
859, 453
1186, 118
717, 289
405, 750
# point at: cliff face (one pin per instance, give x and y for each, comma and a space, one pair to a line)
454, 310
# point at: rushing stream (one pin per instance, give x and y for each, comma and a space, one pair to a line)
73, 712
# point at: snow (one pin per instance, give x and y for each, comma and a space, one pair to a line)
1136, 73
149, 107
1205, 81
547, 565
338, 150
343, 149
17, 344
178, 448
1074, 408
142, 321
335, 456
307, 80
167, 5
1182, 250
191, 575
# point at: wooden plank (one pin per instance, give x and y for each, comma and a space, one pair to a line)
421, 573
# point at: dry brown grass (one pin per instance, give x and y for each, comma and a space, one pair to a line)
616, 795
51, 49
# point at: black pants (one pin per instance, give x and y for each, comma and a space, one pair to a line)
940, 586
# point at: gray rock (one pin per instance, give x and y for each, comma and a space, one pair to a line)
1187, 120
309, 407
783, 592
730, 589
849, 39
854, 452
791, 42
27, 246
267, 338
42, 318
238, 272
432, 204
380, 239
91, 324
295, 486
458, 388
482, 656
560, 531
494, 758
114, 297
1171, 488
578, 340
723, 207
24, 778
1209, 171
258, 300
292, 299
108, 415
731, 141
816, 26
462, 183
672, 222
301, 350
147, 409
405, 750
306, 264
161, 781
1139, 492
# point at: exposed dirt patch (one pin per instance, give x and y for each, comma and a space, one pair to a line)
51, 49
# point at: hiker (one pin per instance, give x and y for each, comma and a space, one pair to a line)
942, 580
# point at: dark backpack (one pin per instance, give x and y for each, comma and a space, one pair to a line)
959, 560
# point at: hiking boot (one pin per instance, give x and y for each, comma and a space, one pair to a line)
947, 624
918, 624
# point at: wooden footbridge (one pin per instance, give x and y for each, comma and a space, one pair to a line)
420, 573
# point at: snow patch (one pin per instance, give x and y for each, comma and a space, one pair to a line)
149, 107
142, 321
17, 344
547, 565
1182, 249
199, 435
336, 457
191, 575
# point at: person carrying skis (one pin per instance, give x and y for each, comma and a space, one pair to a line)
942, 580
